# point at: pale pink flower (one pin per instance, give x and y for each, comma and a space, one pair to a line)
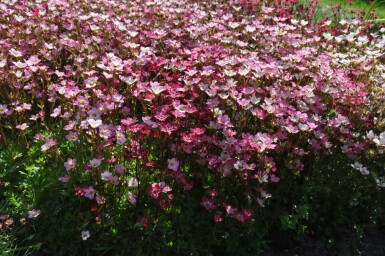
33, 213
89, 192
70, 164
173, 164
65, 178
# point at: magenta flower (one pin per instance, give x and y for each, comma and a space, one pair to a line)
218, 217
207, 203
154, 190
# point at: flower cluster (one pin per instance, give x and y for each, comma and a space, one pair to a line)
150, 93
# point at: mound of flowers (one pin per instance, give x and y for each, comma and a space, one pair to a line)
147, 103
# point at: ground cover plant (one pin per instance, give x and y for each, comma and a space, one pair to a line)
373, 10
186, 127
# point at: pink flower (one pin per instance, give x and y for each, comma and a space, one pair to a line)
120, 138
156, 88
119, 168
70, 164
218, 217
165, 189
173, 164
144, 220
207, 203
105, 131
65, 178
72, 136
91, 82
94, 113
154, 190
239, 217
247, 213
9, 222
56, 112
3, 109
115, 180
89, 192
131, 198
22, 126
274, 178
212, 192
33, 213
48, 144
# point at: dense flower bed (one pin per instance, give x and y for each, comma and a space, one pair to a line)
142, 104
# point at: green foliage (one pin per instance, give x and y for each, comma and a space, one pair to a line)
326, 200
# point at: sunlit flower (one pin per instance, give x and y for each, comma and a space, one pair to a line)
70, 164
133, 182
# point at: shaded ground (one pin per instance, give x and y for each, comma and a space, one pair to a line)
371, 244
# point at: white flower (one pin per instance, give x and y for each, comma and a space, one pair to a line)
327, 36
357, 165
250, 29
15, 53
85, 234
370, 135
95, 162
133, 33
3, 63
133, 182
94, 123
156, 87
233, 25
380, 183
380, 140
360, 168
364, 171
294, 21
304, 23
106, 175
